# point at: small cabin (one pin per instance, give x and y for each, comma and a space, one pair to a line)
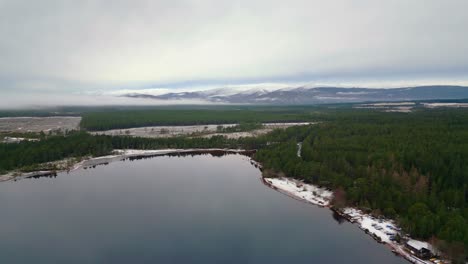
420, 249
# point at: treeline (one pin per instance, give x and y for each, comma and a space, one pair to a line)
79, 144
52, 148
413, 167
97, 121
76, 144
241, 127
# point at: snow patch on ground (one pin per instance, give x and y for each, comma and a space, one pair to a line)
300, 190
380, 228
385, 229
299, 149
17, 139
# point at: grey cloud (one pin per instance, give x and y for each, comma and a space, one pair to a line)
95, 44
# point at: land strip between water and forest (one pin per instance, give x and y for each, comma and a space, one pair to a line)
410, 167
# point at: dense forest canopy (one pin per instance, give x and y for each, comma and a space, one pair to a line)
413, 167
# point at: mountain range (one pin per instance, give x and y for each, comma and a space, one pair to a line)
312, 95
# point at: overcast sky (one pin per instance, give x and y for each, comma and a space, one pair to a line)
73, 49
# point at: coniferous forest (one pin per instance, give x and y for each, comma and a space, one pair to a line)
412, 167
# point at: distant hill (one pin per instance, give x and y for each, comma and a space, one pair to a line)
314, 95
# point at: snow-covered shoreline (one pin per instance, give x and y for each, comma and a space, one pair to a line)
382, 230
118, 155
18, 175
122, 154
299, 190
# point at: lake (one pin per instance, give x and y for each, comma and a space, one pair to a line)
191, 209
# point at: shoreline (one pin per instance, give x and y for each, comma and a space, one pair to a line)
290, 187
379, 229
120, 155
321, 197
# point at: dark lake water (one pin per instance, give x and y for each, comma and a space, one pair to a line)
199, 209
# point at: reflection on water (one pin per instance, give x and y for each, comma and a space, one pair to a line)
51, 175
338, 218
171, 209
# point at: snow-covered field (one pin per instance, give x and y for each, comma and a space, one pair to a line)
307, 192
163, 131
390, 104
37, 124
203, 130
434, 105
400, 107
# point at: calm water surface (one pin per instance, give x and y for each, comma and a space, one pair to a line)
199, 209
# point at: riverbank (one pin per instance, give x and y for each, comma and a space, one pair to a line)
118, 155
384, 231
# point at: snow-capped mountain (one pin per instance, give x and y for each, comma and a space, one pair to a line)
312, 95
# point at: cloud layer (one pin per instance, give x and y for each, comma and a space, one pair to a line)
51, 46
